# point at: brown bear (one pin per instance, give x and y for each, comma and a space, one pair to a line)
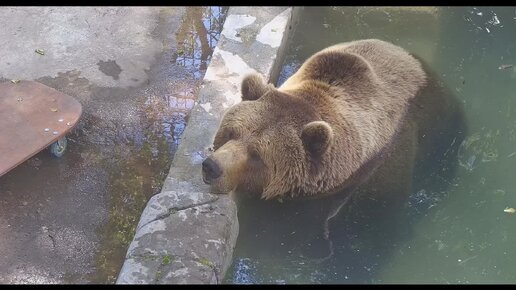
327, 128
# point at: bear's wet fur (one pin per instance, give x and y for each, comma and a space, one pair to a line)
420, 150
324, 130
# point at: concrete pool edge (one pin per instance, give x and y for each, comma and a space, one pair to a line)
186, 234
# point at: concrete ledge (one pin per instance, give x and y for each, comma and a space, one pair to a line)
186, 234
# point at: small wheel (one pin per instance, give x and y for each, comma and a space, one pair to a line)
58, 148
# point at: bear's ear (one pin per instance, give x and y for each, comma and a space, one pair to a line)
253, 87
317, 137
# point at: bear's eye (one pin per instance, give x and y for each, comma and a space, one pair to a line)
223, 136
254, 155
229, 134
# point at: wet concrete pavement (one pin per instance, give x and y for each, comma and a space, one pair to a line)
136, 72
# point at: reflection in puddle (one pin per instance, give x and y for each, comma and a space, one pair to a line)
180, 104
198, 36
138, 175
118, 157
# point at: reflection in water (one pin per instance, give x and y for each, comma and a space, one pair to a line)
453, 228
199, 31
143, 156
136, 179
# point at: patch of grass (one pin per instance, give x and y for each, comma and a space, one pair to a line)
159, 274
166, 260
206, 262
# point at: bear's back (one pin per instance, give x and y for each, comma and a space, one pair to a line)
368, 68
369, 84
400, 74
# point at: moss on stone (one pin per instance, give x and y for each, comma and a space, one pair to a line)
166, 260
131, 185
206, 262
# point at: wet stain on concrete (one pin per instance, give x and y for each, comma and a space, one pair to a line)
119, 155
110, 68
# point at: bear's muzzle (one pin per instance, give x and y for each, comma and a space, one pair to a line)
210, 170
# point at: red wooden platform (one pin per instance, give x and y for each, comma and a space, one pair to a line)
32, 117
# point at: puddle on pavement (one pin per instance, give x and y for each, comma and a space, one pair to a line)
141, 176
110, 68
198, 36
118, 155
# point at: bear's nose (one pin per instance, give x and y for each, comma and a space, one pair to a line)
211, 170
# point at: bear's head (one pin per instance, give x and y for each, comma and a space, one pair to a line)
268, 144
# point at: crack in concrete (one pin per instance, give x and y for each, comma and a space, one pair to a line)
146, 255
210, 265
216, 273
53, 240
158, 274
173, 210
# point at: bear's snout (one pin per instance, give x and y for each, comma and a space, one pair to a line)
210, 170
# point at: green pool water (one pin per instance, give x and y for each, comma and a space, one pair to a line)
454, 228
